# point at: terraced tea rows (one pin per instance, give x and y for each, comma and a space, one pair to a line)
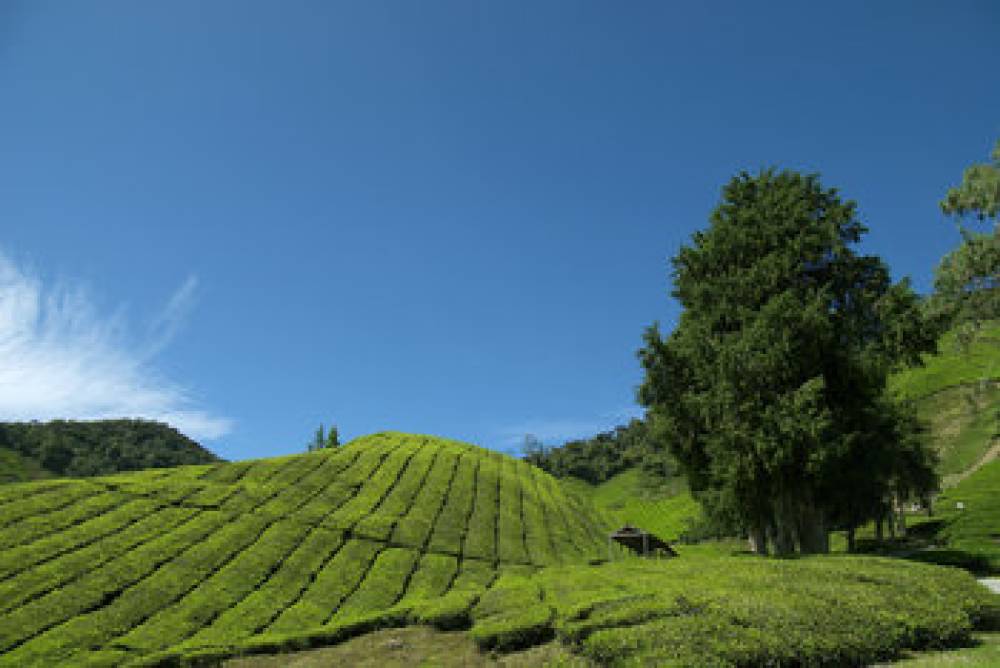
132, 567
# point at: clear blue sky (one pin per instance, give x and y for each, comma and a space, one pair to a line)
439, 217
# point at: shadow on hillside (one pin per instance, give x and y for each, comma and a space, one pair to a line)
919, 545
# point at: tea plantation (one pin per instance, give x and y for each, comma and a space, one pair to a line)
112, 569
194, 564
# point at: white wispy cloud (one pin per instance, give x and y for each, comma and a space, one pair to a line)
60, 358
555, 431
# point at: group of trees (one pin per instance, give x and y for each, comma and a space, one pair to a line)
772, 388
602, 456
84, 448
320, 440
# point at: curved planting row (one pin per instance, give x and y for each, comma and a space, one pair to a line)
146, 566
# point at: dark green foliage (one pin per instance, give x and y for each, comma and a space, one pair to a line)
599, 458
979, 192
320, 440
771, 387
69, 448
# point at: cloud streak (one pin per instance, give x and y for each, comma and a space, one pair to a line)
60, 359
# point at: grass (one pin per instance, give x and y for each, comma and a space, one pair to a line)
412, 647
985, 653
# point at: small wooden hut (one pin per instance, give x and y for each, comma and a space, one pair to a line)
641, 542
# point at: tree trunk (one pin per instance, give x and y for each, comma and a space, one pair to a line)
813, 536
850, 539
758, 541
783, 526
880, 527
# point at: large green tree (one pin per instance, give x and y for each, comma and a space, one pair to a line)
772, 382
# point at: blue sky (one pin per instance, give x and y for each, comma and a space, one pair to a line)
246, 218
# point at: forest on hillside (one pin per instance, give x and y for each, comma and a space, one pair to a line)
86, 448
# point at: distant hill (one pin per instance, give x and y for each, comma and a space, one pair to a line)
35, 450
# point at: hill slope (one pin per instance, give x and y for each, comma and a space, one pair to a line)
36, 450
958, 394
965, 528
113, 569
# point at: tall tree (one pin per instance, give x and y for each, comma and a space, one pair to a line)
783, 346
967, 281
318, 441
333, 437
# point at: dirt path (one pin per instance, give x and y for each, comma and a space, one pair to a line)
987, 457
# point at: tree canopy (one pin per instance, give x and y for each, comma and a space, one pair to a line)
979, 191
83, 448
772, 386
606, 454
967, 281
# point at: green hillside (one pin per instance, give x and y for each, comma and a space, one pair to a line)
35, 450
953, 366
958, 394
623, 499
116, 568
965, 528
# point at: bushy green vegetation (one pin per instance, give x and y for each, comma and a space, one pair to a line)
601, 457
737, 611
16, 467
715, 611
33, 450
390, 527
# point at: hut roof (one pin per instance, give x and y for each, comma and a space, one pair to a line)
640, 541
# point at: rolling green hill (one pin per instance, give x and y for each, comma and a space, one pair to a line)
111, 569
